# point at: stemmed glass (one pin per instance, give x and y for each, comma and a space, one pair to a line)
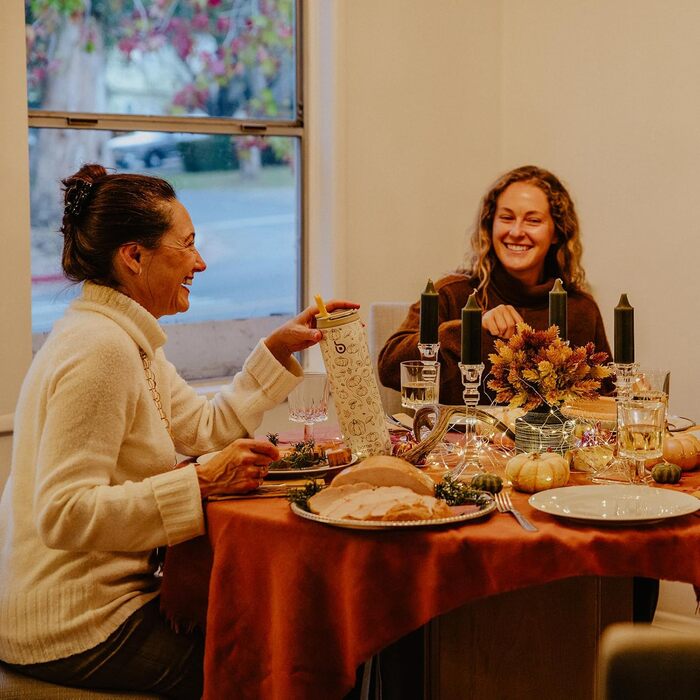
641, 423
308, 402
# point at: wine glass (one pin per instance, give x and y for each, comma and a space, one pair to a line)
308, 402
641, 423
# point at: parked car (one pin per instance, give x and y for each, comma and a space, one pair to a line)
151, 148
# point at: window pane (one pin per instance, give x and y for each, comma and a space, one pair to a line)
241, 192
215, 58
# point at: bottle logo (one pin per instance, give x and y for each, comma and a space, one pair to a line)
339, 347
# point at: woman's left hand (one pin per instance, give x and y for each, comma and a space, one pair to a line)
300, 332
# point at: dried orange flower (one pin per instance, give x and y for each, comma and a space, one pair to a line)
536, 367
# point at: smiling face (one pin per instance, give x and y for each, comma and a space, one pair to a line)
523, 231
169, 269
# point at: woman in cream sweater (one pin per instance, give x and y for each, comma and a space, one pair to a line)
95, 485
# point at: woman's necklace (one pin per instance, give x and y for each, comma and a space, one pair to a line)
153, 387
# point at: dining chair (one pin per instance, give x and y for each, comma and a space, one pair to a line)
15, 686
647, 663
384, 318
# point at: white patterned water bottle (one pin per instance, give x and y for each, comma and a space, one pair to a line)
357, 403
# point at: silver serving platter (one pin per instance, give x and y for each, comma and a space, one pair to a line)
394, 524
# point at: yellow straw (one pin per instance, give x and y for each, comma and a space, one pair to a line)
321, 305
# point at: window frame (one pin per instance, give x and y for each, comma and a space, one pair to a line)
98, 121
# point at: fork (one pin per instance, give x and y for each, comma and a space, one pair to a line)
505, 505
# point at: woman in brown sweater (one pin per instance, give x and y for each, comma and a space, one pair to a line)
527, 236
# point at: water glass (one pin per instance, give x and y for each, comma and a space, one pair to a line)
308, 402
652, 380
420, 383
652, 384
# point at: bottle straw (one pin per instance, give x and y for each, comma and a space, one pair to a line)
321, 306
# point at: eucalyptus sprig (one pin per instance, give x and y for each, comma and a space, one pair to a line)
302, 456
301, 494
457, 493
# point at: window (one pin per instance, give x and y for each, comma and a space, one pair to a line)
204, 93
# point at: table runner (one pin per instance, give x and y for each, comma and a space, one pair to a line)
295, 606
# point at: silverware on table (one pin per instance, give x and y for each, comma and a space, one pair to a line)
264, 491
505, 505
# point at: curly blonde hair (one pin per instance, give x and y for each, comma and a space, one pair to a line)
563, 258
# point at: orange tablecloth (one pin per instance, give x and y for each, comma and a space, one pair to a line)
295, 607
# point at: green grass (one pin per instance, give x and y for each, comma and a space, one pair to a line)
269, 176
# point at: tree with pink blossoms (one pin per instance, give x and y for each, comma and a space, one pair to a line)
235, 59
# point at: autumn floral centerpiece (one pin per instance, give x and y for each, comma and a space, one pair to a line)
538, 367
538, 370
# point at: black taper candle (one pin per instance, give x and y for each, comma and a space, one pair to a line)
471, 332
558, 299
429, 314
624, 332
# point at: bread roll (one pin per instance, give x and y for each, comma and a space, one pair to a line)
383, 470
338, 456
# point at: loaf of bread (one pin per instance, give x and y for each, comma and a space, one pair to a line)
383, 470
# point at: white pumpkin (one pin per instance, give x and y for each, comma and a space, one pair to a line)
537, 471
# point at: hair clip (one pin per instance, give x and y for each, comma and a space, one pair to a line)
77, 194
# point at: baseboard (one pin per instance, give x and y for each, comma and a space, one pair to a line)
676, 622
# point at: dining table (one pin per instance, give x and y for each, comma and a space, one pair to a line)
292, 608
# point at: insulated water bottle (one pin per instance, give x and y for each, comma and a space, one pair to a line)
357, 403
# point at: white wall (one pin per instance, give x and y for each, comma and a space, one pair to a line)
422, 135
606, 95
15, 322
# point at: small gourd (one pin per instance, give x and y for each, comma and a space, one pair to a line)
537, 471
487, 482
666, 473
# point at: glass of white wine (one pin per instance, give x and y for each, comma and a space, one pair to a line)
420, 383
308, 402
641, 425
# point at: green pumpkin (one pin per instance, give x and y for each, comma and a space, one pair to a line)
666, 473
487, 482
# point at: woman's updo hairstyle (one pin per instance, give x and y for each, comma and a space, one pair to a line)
103, 212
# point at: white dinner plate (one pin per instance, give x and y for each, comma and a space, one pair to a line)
615, 504
319, 469
395, 524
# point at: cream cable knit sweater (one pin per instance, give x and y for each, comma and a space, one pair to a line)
92, 489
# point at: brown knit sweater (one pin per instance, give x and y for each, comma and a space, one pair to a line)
532, 303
